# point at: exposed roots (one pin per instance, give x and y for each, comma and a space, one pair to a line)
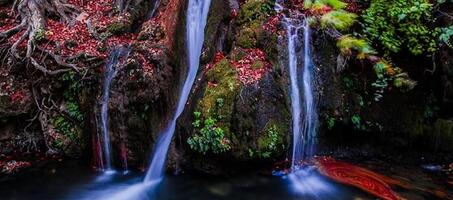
32, 14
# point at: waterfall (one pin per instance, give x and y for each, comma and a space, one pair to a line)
310, 122
110, 73
197, 15
304, 179
304, 124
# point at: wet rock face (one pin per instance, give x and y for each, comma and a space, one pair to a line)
145, 88
237, 113
261, 121
399, 120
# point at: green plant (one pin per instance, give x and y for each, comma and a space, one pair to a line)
73, 85
71, 95
65, 127
347, 44
209, 138
338, 19
40, 35
255, 10
268, 143
330, 122
74, 111
335, 4
401, 24
357, 122
445, 36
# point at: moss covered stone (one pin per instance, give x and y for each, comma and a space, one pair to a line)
223, 85
271, 141
255, 10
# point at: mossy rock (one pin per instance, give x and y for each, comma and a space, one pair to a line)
225, 86
215, 107
246, 38
255, 10
252, 17
118, 28
272, 140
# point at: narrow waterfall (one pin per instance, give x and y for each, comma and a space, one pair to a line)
197, 15
292, 36
110, 73
310, 122
304, 118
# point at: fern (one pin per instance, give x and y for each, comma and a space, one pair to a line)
340, 20
348, 43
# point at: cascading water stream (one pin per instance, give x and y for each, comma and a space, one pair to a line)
304, 129
310, 122
292, 34
197, 15
110, 73
304, 117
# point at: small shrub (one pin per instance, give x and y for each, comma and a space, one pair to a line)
401, 24
209, 138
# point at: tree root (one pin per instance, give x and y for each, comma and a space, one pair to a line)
33, 18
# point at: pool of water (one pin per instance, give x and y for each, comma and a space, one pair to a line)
73, 181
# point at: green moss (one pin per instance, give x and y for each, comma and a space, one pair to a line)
246, 38
40, 35
212, 121
255, 10
117, 28
271, 142
223, 76
268, 43
68, 129
252, 16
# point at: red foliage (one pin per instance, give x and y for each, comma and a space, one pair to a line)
362, 178
69, 40
18, 96
272, 23
217, 58
13, 166
147, 67
248, 72
8, 22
